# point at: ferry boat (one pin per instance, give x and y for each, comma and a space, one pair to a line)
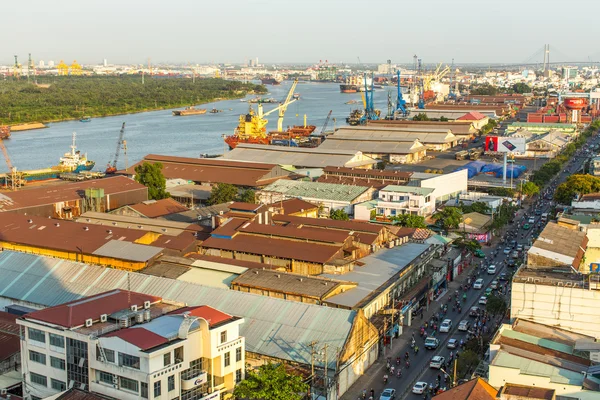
85, 119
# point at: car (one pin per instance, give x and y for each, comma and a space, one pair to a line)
419, 387
388, 394
503, 276
531, 220
474, 311
483, 300
538, 212
436, 362
479, 253
478, 284
515, 254
488, 292
491, 270
507, 250
446, 325
494, 285
512, 262
431, 343
452, 343
526, 227
464, 325
513, 243
519, 247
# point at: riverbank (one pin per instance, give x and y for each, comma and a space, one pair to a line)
27, 127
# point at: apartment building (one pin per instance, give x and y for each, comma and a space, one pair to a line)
128, 345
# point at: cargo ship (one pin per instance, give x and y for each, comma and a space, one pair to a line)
270, 81
72, 161
354, 84
4, 132
189, 111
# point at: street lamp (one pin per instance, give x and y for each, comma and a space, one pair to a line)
453, 378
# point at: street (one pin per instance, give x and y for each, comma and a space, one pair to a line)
419, 370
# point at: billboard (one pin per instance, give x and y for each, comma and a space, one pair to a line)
502, 144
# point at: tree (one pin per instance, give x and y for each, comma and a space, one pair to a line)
421, 117
521, 88
448, 218
477, 206
530, 189
409, 221
151, 176
576, 184
247, 196
468, 244
467, 362
443, 119
339, 215
222, 193
270, 382
496, 305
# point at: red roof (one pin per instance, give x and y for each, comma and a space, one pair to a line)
158, 208
213, 316
140, 337
74, 313
355, 226
293, 206
9, 335
239, 206
472, 116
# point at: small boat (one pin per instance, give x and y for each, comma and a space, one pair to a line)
215, 111
85, 119
189, 111
296, 96
351, 102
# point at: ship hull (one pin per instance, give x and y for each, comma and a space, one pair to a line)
348, 88
183, 113
233, 141
270, 81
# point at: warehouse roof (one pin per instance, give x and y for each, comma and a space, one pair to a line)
317, 190
457, 127
475, 389
217, 263
527, 366
472, 116
218, 170
48, 282
305, 233
288, 283
65, 192
372, 146
401, 134
293, 206
368, 173
560, 243
356, 226
162, 226
157, 208
198, 214
128, 251
61, 234
447, 113
300, 157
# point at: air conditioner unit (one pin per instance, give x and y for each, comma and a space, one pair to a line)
134, 308
88, 322
147, 304
2, 391
103, 318
115, 379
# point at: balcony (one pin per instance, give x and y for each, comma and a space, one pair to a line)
191, 379
225, 346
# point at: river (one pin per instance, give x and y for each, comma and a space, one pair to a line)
159, 132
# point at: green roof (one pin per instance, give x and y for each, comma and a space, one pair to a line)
536, 368
409, 189
543, 124
548, 344
316, 190
369, 204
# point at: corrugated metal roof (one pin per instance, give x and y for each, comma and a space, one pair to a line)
536, 368
375, 146
423, 191
128, 251
400, 134
273, 327
316, 190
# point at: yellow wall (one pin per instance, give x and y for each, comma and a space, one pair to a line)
148, 238
85, 258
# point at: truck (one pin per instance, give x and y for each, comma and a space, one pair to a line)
461, 155
474, 154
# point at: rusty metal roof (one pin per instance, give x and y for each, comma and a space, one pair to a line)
158, 208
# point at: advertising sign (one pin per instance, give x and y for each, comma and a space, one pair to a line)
505, 144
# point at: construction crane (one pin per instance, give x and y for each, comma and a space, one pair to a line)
326, 122
400, 102
112, 168
13, 178
282, 107
17, 68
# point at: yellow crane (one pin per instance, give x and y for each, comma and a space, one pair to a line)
75, 68
13, 178
63, 69
283, 107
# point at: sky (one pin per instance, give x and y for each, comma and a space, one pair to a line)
295, 31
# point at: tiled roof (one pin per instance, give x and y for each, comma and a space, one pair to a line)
528, 392
74, 313
213, 316
472, 116
77, 394
475, 389
356, 226
158, 208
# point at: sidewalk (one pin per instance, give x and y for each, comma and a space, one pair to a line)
372, 377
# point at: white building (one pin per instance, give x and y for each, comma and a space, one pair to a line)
446, 186
128, 346
396, 200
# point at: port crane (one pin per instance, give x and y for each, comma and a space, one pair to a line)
13, 178
112, 168
400, 102
326, 122
283, 107
371, 114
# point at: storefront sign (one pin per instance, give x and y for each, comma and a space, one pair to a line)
187, 384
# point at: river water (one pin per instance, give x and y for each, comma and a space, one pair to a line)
159, 132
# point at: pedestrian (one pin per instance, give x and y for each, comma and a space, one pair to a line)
372, 393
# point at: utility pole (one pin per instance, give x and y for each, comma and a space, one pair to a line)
312, 365
454, 378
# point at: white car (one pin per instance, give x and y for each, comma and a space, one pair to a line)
446, 325
419, 387
507, 250
388, 394
531, 220
478, 284
436, 362
452, 343
494, 285
464, 325
491, 270
483, 300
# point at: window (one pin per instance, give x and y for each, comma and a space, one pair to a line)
238, 354
171, 382
57, 363
223, 337
38, 379
58, 385
238, 375
105, 377
393, 211
37, 335
37, 357
128, 384
127, 360
226, 359
56, 340
156, 389
380, 211
167, 359
144, 390
110, 355
178, 354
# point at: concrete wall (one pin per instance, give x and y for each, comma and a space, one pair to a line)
447, 185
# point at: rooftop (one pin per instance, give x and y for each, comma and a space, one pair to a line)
9, 336
294, 206
49, 282
300, 157
78, 394
425, 135
457, 127
158, 208
561, 244
528, 392
368, 173
162, 226
198, 214
378, 268
421, 191
356, 226
316, 190
372, 145
475, 389
476, 220
472, 116
128, 251
63, 192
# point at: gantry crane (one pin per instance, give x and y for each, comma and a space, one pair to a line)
17, 68
371, 114
400, 102
112, 168
63, 69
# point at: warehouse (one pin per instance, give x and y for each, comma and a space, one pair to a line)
463, 130
390, 150
452, 114
434, 139
374, 178
69, 200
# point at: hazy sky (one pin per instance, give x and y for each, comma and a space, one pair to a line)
201, 31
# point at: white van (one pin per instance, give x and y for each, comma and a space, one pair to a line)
544, 217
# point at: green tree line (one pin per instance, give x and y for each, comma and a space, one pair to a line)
72, 97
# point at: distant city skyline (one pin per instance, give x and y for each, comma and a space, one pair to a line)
285, 31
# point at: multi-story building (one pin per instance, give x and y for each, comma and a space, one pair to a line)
128, 345
396, 200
